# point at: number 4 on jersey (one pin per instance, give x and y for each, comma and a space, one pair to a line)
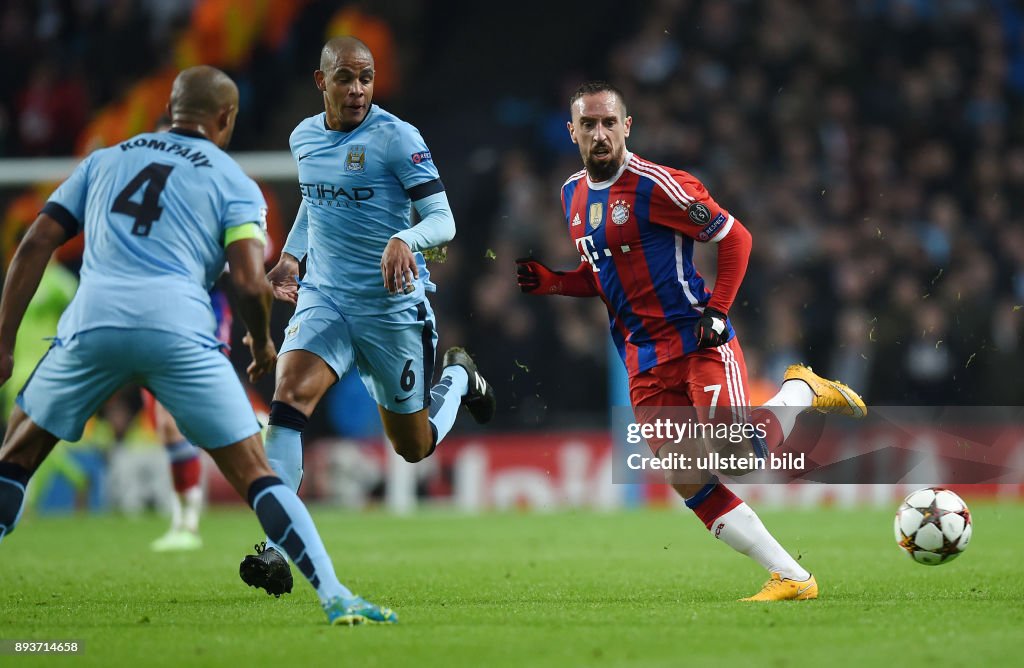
153, 177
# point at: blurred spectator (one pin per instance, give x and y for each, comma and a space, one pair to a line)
50, 112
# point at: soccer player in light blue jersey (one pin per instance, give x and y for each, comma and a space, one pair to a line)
363, 301
160, 213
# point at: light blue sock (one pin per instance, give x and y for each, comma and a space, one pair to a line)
284, 452
445, 399
285, 519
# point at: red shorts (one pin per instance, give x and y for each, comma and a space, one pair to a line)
710, 379
713, 381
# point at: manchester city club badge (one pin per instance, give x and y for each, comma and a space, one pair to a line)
596, 214
620, 212
355, 161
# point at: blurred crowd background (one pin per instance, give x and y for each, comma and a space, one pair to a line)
874, 148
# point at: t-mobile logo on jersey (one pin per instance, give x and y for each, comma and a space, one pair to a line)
589, 252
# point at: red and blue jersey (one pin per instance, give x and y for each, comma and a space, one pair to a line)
637, 231
222, 311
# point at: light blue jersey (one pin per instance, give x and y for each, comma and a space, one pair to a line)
154, 209
357, 191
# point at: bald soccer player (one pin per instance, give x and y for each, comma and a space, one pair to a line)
160, 213
363, 300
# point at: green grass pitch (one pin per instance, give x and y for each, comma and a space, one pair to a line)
641, 588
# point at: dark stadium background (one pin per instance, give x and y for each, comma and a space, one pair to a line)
875, 149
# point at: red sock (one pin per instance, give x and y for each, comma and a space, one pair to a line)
185, 474
774, 435
718, 502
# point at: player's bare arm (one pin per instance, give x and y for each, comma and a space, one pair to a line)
255, 296
282, 278
26, 270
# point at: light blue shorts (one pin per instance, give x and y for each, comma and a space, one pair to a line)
194, 381
394, 352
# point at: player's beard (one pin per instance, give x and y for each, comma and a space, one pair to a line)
599, 171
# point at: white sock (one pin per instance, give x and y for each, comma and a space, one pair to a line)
742, 530
175, 512
793, 393
793, 398
445, 399
192, 505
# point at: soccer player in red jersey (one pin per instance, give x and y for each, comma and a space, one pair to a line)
634, 224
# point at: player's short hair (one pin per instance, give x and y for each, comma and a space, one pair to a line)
593, 87
340, 44
202, 91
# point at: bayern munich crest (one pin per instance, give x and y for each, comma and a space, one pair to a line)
620, 212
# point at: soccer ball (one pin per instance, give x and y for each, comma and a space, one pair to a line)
933, 526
